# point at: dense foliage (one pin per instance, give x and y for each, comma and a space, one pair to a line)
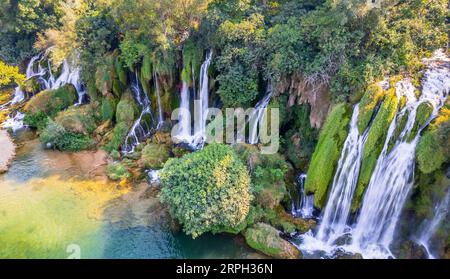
207, 191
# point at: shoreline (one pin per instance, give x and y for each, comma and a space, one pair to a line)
8, 151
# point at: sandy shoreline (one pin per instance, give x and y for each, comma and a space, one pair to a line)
7, 150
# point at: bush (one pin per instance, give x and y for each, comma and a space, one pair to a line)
62, 139
207, 191
327, 153
38, 120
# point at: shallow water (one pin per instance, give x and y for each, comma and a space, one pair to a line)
59, 205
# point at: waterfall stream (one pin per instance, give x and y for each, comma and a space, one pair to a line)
158, 100
70, 74
337, 210
429, 227
142, 127
391, 182
257, 116
197, 139
304, 208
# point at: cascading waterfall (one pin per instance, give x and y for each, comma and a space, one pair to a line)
257, 116
142, 127
429, 227
158, 99
70, 74
337, 210
391, 181
304, 207
202, 102
200, 109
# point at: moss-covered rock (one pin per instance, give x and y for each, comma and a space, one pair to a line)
79, 119
52, 101
327, 153
155, 155
423, 114
433, 149
126, 110
400, 126
118, 136
367, 106
108, 108
375, 143
117, 171
266, 239
31, 86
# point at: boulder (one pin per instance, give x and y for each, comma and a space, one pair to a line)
154, 156
267, 240
77, 119
52, 101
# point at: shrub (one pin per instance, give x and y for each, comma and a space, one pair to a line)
62, 139
37, 120
207, 191
327, 153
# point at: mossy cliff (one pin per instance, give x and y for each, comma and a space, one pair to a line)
369, 102
375, 143
327, 153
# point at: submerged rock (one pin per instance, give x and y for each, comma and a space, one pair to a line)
8, 151
267, 240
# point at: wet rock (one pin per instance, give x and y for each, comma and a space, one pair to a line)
266, 239
411, 250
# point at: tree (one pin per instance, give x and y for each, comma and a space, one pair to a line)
10, 75
207, 191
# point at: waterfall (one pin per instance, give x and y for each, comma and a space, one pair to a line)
202, 102
429, 227
158, 99
70, 74
304, 207
337, 210
390, 185
257, 115
200, 109
393, 177
142, 127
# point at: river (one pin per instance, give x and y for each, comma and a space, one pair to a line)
60, 205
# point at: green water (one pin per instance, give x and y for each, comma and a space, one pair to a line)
50, 209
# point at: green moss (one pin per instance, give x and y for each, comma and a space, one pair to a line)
423, 114
327, 153
430, 153
369, 102
80, 119
121, 71
192, 57
107, 109
125, 111
51, 102
146, 70
155, 155
119, 133
37, 120
375, 143
117, 171
266, 239
401, 123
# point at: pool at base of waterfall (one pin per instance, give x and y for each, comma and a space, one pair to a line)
60, 205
